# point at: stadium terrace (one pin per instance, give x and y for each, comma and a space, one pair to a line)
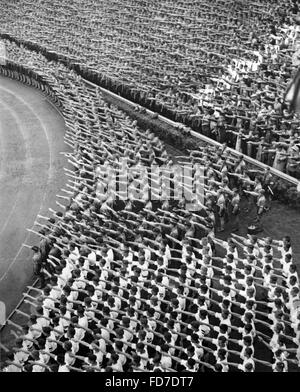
173, 243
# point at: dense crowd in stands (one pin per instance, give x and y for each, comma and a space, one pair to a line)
134, 284
221, 67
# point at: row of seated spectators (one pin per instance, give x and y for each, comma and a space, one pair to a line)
134, 284
220, 67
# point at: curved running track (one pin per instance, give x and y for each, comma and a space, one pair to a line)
31, 174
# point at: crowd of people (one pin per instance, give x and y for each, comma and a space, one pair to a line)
131, 283
221, 67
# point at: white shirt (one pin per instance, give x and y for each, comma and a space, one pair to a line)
69, 360
242, 367
63, 369
166, 361
20, 357
37, 369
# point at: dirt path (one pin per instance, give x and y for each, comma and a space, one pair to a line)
31, 174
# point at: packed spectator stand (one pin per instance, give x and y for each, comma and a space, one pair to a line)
135, 284
220, 67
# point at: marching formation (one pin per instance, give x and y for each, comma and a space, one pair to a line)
134, 284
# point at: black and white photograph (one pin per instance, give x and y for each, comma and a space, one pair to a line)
149, 189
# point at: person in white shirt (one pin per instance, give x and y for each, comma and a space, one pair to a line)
99, 350
190, 365
65, 317
245, 343
247, 367
266, 250
63, 367
127, 255
285, 250
48, 303
224, 317
69, 355
56, 291
279, 367
68, 267
247, 357
222, 330
20, 356
51, 344
13, 366
74, 252
230, 260
41, 321
247, 330
35, 328
220, 342
229, 246
286, 262
143, 354
227, 283
165, 360
37, 362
